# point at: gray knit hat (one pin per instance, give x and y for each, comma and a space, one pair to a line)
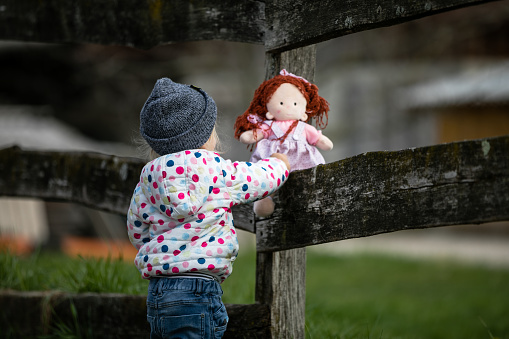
177, 117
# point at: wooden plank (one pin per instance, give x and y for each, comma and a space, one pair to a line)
142, 24
449, 184
99, 181
281, 276
106, 315
297, 23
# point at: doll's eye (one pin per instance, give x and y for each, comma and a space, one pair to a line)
281, 103
295, 104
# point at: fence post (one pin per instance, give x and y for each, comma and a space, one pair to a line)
281, 276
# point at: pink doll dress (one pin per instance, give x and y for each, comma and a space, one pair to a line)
299, 145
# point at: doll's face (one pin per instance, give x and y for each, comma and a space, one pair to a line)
287, 103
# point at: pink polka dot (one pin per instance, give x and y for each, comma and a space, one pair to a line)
166, 257
256, 183
216, 190
214, 179
204, 244
226, 195
143, 205
181, 196
137, 235
187, 226
175, 270
192, 187
211, 267
196, 178
220, 240
185, 264
160, 238
176, 252
188, 152
195, 238
219, 250
180, 170
248, 178
211, 170
152, 200
164, 174
247, 196
194, 161
209, 253
201, 216
149, 267
168, 212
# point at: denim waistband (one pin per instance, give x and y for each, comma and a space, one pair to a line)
196, 285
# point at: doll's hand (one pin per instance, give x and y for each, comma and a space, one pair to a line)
248, 137
281, 157
324, 143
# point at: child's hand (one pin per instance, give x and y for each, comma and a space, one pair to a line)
281, 157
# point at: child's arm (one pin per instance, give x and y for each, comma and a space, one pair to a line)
137, 228
254, 181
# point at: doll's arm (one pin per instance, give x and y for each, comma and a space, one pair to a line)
324, 143
249, 137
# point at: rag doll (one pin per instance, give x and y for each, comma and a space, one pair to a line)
276, 121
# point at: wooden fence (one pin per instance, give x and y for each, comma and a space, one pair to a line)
458, 183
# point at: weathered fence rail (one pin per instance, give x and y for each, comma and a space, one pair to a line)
449, 184
280, 25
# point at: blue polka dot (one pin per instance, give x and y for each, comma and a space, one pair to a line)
201, 261
173, 239
170, 163
197, 154
145, 258
163, 208
185, 236
217, 159
183, 247
146, 240
199, 221
145, 216
245, 187
212, 239
149, 178
248, 163
164, 248
210, 189
224, 173
166, 267
137, 223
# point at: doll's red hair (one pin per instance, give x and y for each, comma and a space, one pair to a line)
317, 107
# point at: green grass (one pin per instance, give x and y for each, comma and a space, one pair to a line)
356, 296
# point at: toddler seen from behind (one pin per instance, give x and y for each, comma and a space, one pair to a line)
180, 217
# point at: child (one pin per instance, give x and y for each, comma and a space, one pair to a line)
180, 216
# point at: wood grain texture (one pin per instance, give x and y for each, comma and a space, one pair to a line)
292, 24
281, 276
99, 181
107, 315
449, 184
142, 24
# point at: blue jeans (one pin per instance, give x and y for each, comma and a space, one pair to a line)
185, 308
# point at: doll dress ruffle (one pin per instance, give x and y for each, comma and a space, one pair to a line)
301, 154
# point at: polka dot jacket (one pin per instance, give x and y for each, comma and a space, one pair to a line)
180, 217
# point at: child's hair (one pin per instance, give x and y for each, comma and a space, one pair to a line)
147, 153
317, 107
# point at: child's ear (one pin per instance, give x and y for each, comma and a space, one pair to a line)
304, 117
269, 116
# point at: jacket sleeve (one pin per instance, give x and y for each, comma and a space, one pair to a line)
254, 181
137, 220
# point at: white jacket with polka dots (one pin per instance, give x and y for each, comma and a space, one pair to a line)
180, 217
